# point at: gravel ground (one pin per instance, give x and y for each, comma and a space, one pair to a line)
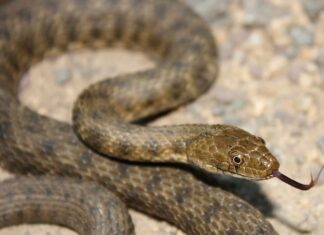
271, 83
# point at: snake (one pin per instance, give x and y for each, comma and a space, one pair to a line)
84, 176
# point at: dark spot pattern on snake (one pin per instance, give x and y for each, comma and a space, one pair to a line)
163, 27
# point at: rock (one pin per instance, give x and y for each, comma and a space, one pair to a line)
320, 143
294, 72
230, 119
260, 12
237, 104
289, 51
62, 75
286, 117
225, 95
255, 39
218, 110
313, 8
214, 11
301, 35
320, 63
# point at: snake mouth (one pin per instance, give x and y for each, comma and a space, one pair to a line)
254, 178
244, 176
296, 184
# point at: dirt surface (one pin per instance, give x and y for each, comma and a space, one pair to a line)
271, 83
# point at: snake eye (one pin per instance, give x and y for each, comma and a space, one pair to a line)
237, 158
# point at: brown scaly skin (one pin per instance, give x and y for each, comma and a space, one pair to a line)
78, 205
234, 151
186, 55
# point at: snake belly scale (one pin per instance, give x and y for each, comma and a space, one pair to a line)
104, 116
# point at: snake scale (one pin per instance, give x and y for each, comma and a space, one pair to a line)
105, 125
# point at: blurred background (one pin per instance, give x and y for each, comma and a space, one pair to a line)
271, 83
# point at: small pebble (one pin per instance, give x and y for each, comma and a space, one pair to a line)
256, 70
62, 75
301, 36
237, 105
299, 159
255, 39
238, 36
313, 8
230, 119
87, 71
288, 51
320, 58
218, 110
320, 143
260, 12
226, 51
287, 118
294, 71
261, 121
322, 72
214, 11
226, 95
320, 63
196, 113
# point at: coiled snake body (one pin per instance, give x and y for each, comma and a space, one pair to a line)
104, 117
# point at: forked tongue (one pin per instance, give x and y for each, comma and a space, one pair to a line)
296, 184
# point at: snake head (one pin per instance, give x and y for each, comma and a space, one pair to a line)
231, 150
234, 151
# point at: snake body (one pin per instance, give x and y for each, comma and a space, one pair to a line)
105, 116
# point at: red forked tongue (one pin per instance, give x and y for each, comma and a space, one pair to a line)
296, 184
